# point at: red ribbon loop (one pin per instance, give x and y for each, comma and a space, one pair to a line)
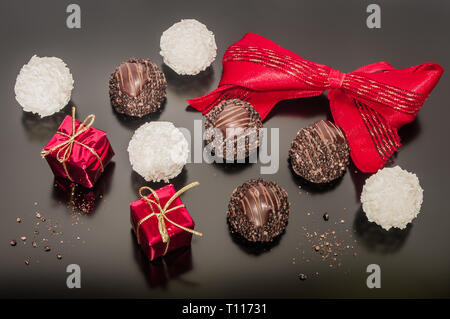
369, 104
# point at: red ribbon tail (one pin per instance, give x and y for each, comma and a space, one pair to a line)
371, 138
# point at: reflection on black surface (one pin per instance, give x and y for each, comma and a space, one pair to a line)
377, 239
132, 122
165, 268
313, 187
304, 107
42, 129
232, 168
137, 181
358, 178
81, 199
189, 86
410, 131
252, 248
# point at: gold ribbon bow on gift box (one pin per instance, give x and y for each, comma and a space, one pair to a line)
65, 148
161, 215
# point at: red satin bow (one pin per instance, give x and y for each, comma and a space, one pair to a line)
369, 104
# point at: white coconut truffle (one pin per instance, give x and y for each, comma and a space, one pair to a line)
188, 47
44, 85
392, 197
158, 151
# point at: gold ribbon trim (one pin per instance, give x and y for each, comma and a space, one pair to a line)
161, 215
65, 148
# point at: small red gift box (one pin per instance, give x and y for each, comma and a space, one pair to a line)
78, 151
161, 222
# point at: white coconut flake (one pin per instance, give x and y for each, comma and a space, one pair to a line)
188, 47
44, 85
392, 197
158, 151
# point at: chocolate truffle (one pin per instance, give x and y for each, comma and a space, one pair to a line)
239, 124
137, 87
258, 210
320, 153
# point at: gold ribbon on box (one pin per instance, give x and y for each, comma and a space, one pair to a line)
65, 148
161, 215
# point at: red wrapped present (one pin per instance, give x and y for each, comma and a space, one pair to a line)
161, 222
78, 151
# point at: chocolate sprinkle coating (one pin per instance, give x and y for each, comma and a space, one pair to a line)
320, 153
237, 115
258, 210
137, 87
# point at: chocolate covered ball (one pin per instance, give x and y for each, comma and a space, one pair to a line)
320, 153
233, 129
258, 210
137, 87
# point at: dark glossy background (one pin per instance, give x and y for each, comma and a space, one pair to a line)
414, 262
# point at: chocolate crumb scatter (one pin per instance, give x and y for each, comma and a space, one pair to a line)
331, 246
51, 228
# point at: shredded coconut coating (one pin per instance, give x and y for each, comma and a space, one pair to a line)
158, 151
188, 47
44, 85
392, 197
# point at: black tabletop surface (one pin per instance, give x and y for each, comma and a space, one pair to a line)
414, 262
